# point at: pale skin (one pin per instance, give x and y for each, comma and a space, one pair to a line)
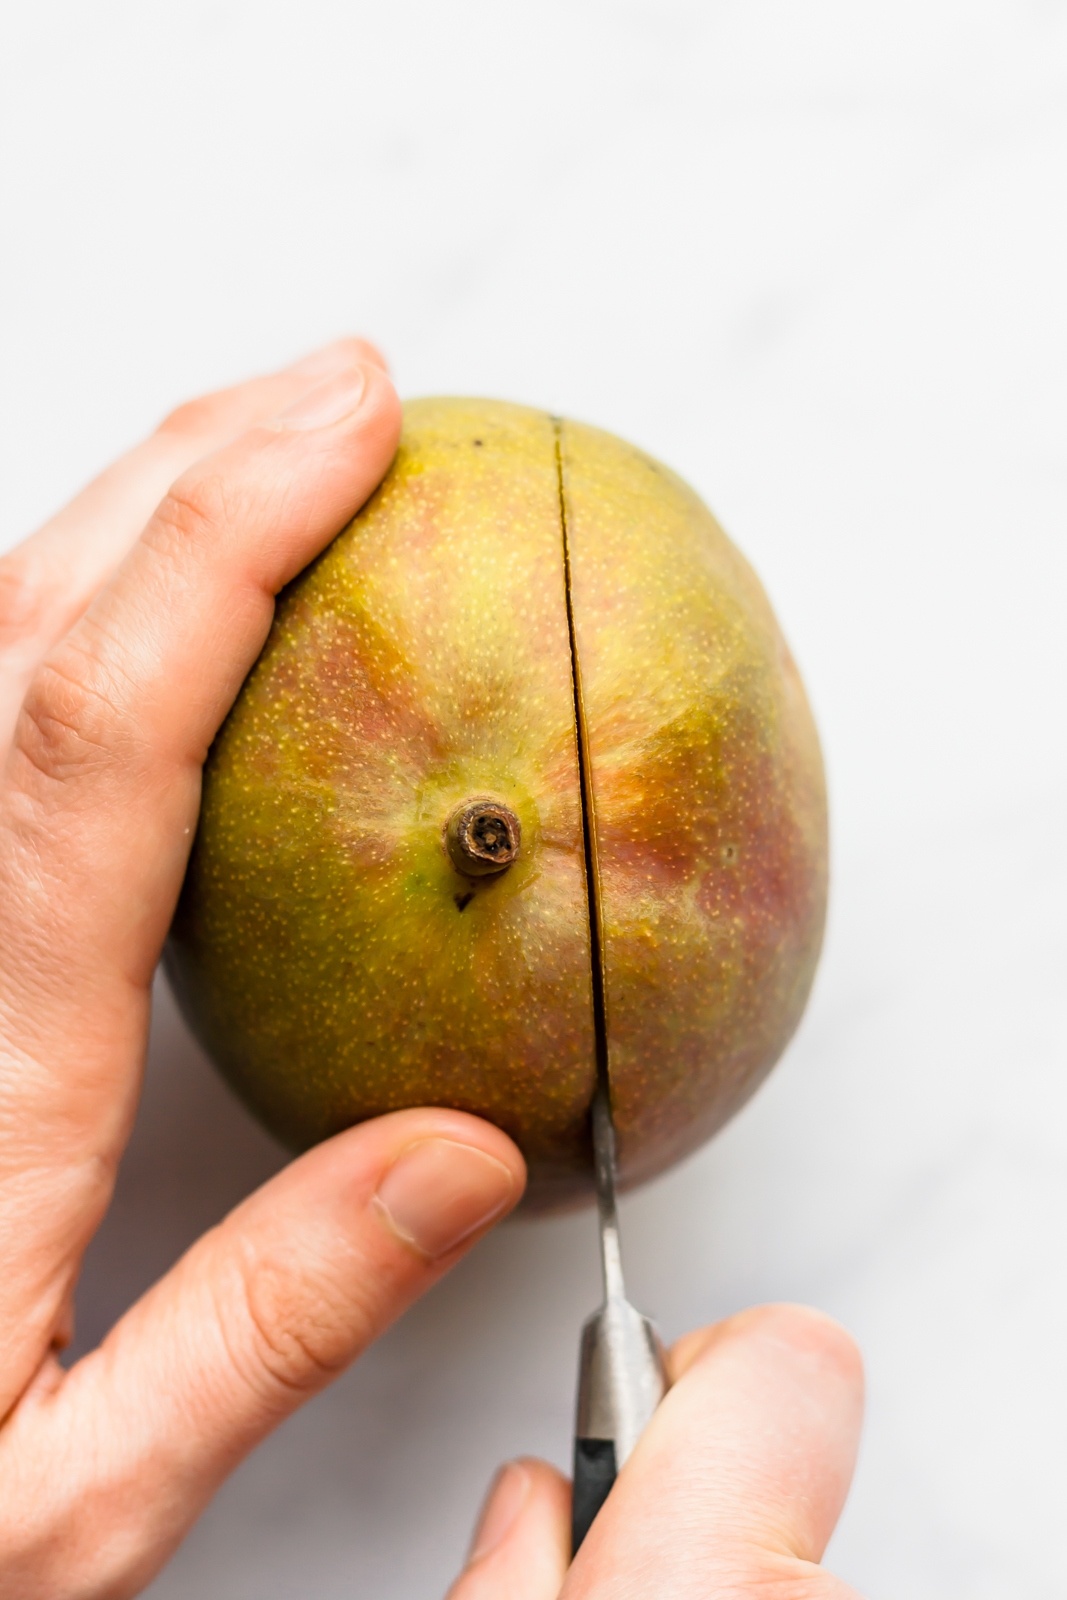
127, 624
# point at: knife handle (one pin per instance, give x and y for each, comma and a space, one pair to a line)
594, 1474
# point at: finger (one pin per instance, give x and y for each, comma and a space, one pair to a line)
47, 581
104, 773
520, 1549
260, 1314
100, 803
739, 1479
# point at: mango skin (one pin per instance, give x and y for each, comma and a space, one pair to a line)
326, 952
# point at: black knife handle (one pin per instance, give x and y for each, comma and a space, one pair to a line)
594, 1474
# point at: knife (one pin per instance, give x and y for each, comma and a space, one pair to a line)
622, 1374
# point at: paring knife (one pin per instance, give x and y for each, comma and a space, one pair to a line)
622, 1375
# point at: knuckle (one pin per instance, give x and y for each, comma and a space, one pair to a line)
68, 1529
193, 512
299, 1330
67, 726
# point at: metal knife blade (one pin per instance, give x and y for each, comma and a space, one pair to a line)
622, 1374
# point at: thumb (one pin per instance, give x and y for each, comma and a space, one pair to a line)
262, 1312
740, 1477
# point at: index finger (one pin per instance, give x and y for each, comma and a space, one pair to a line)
48, 579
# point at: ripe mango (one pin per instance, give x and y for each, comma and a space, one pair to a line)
533, 642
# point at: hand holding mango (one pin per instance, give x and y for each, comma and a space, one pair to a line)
128, 624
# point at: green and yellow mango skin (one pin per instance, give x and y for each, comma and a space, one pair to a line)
325, 950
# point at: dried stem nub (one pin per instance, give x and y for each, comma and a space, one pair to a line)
482, 837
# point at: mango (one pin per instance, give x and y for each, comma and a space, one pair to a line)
523, 782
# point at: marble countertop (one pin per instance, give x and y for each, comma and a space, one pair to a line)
814, 257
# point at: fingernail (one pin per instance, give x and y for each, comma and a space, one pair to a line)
503, 1504
327, 402
437, 1193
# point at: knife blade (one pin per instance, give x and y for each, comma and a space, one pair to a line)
622, 1373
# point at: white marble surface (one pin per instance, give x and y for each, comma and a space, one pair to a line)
815, 256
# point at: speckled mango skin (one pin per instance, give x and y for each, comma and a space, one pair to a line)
325, 951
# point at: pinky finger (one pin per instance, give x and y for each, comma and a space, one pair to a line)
521, 1546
